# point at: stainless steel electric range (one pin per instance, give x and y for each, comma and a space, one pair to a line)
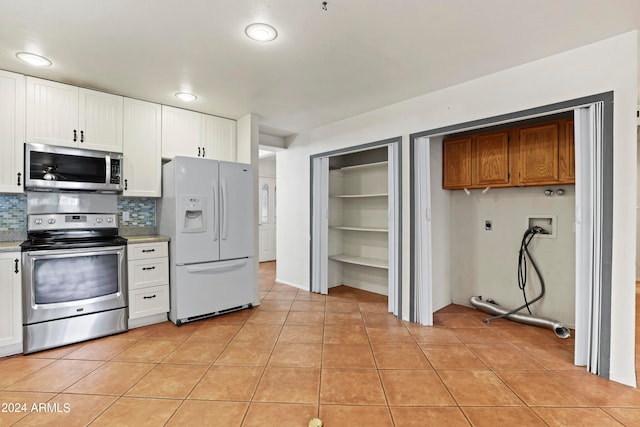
74, 279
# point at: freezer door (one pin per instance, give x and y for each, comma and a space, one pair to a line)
236, 210
207, 288
196, 203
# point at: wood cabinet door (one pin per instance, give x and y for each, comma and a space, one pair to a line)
141, 148
100, 121
181, 133
539, 154
52, 113
567, 156
491, 159
11, 132
456, 156
10, 300
219, 138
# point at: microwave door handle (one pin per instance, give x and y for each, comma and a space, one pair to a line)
216, 226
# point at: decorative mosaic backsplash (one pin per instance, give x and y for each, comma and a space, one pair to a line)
13, 212
142, 211
13, 216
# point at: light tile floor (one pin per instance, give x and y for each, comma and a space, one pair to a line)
299, 355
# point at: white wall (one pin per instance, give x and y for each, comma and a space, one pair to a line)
267, 166
609, 65
485, 262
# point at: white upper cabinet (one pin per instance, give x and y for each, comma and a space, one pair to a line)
181, 132
142, 146
219, 138
66, 115
192, 134
11, 132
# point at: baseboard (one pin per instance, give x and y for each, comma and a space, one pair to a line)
380, 290
11, 349
295, 285
147, 320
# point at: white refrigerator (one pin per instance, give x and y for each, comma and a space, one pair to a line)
207, 211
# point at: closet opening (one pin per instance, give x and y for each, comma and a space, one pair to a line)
355, 215
586, 219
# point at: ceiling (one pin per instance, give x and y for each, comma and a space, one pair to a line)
325, 65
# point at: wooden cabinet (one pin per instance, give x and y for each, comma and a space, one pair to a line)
456, 155
219, 138
10, 304
12, 95
61, 114
538, 154
148, 279
142, 149
491, 159
476, 161
188, 133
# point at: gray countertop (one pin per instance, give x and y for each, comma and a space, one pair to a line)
10, 246
151, 238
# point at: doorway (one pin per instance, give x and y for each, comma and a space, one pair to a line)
355, 220
267, 209
594, 184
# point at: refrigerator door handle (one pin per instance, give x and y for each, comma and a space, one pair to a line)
223, 210
217, 266
216, 229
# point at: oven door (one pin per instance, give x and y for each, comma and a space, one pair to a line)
63, 283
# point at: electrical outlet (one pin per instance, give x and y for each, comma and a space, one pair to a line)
488, 225
125, 216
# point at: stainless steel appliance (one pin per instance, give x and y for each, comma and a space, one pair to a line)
73, 279
207, 211
54, 168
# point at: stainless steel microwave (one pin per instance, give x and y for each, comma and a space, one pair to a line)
54, 168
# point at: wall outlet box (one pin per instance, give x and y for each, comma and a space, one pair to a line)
548, 222
125, 216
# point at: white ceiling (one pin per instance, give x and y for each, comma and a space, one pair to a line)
356, 56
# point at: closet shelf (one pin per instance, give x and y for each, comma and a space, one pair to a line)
354, 196
369, 262
364, 166
354, 228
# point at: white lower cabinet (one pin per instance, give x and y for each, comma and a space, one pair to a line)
10, 304
148, 278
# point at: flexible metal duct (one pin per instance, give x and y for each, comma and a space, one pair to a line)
492, 307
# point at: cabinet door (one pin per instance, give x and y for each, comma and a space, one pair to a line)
100, 121
11, 132
456, 172
10, 301
491, 159
181, 133
52, 113
539, 154
141, 148
219, 138
567, 157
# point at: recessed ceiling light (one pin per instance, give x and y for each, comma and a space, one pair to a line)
261, 32
33, 59
187, 97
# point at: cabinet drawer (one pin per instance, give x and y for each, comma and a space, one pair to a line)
147, 250
148, 301
148, 272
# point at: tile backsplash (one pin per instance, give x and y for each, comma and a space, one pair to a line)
13, 217
141, 216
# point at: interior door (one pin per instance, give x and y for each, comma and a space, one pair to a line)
236, 210
267, 216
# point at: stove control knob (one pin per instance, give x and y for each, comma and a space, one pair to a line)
99, 220
38, 221
109, 220
51, 220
